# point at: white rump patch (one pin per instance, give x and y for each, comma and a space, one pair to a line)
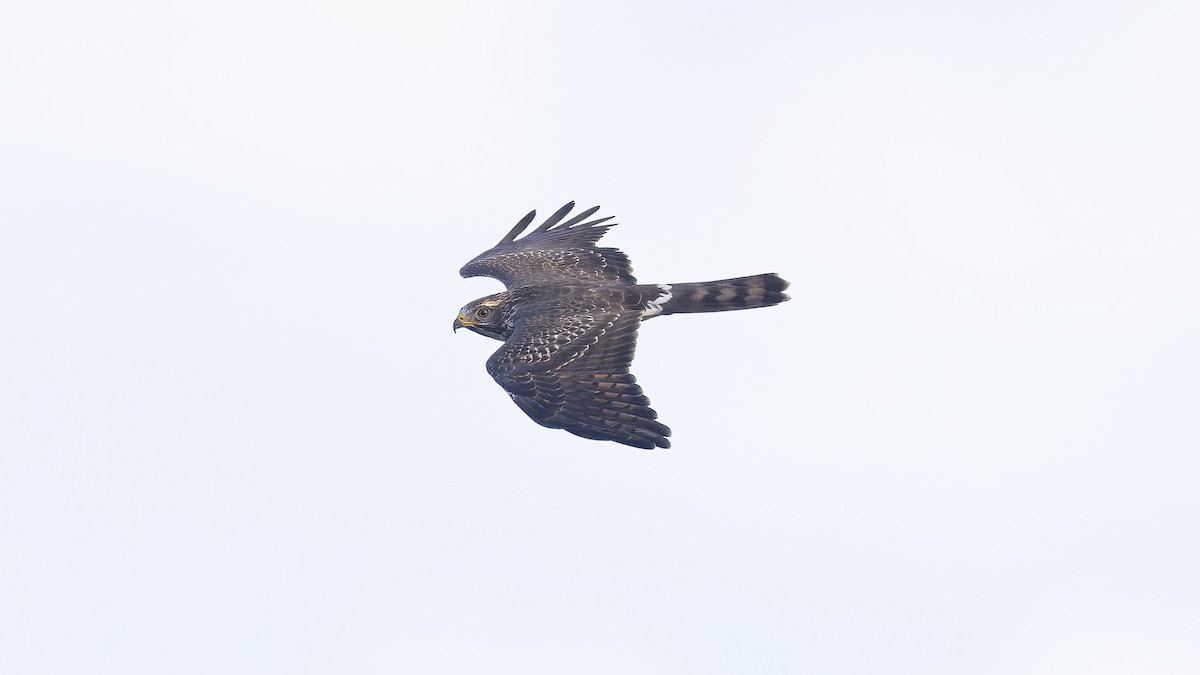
654, 307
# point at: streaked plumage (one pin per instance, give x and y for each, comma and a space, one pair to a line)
569, 322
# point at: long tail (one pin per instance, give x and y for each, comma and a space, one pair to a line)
760, 290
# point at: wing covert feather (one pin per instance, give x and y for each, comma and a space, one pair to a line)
555, 251
567, 366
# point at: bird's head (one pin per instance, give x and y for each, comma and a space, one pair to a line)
486, 316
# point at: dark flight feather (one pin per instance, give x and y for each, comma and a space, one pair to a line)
553, 220
581, 216
519, 227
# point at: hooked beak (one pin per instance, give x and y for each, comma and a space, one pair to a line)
460, 322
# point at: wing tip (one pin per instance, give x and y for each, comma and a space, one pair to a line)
555, 222
558, 216
518, 228
652, 441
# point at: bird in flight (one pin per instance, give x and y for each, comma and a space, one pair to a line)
569, 323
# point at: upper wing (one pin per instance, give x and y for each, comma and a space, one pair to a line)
554, 251
567, 366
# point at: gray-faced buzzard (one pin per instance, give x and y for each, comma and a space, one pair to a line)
569, 323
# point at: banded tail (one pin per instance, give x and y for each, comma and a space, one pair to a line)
760, 290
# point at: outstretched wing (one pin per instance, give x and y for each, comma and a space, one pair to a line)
557, 250
567, 366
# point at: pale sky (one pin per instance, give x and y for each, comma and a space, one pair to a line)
238, 436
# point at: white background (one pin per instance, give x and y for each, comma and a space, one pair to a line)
239, 436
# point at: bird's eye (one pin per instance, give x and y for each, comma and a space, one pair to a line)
482, 312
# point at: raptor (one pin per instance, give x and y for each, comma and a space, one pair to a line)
569, 320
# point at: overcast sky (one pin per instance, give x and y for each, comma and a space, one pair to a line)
238, 436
